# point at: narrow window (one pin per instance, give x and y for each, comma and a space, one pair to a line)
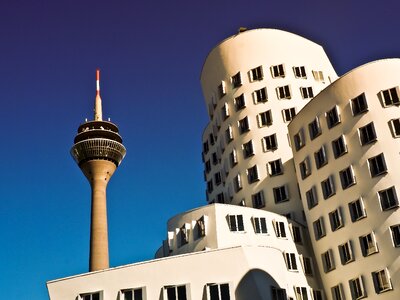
236, 80
217, 178
214, 158
289, 114
208, 166
280, 229
258, 200
368, 244
390, 97
327, 261
225, 111
377, 165
244, 125
357, 210
346, 253
332, 117
183, 236
252, 174
283, 92
261, 95
248, 149
335, 218
270, 143
357, 288
305, 168
314, 128
237, 183
299, 140
221, 90
319, 228
395, 230
291, 263
221, 198
328, 188
320, 158
359, 105
275, 167
388, 198
296, 234
382, 281
337, 292
265, 118
367, 134
311, 197
210, 186
200, 228
260, 225
299, 72
278, 71
233, 158
301, 293
339, 147
229, 134
205, 147
347, 178
236, 223
306, 92
281, 194
307, 266
395, 127
240, 102
256, 73
317, 295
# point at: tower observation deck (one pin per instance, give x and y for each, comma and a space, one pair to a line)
98, 151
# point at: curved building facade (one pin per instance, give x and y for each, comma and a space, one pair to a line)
346, 151
254, 83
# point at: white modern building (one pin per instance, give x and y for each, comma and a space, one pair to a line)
300, 168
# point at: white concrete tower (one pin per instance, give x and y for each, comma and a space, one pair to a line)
254, 83
98, 151
346, 149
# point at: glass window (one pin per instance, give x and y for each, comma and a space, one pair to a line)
299, 72
306, 92
327, 261
283, 92
299, 140
388, 198
395, 230
390, 97
175, 292
367, 134
395, 127
337, 292
280, 229
305, 168
336, 220
278, 293
332, 117
289, 114
382, 281
312, 198
320, 158
314, 128
339, 147
265, 118
240, 102
244, 125
236, 80
281, 194
328, 188
258, 200
236, 223
275, 167
346, 253
377, 165
368, 244
256, 73
291, 263
357, 210
261, 95
357, 288
221, 90
219, 291
248, 149
278, 71
347, 177
252, 174
319, 228
270, 143
359, 105
260, 225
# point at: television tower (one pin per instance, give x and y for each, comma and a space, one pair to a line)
98, 151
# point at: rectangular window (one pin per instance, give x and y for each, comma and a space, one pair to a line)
236, 223
260, 95
299, 140
221, 90
347, 177
244, 125
176, 292
214, 158
237, 183
233, 158
314, 128
217, 178
278, 293
239, 102
320, 158
210, 186
212, 140
390, 97
388, 198
382, 281
328, 187
301, 293
252, 174
300, 72
368, 244
283, 92
256, 73
307, 265
377, 165
291, 263
260, 225
280, 229
221, 198
319, 228
327, 261
357, 210
275, 167
92, 296
346, 253
236, 80
281, 194
335, 218
183, 235
296, 234
265, 118
229, 134
395, 230
395, 127
208, 166
305, 168
200, 228
307, 92
205, 147
278, 71
218, 291
270, 142
317, 295
248, 149
132, 294
312, 198
258, 200
318, 75
339, 147
332, 117
337, 292
289, 114
367, 134
225, 111
359, 105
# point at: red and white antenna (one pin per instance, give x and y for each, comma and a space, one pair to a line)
98, 113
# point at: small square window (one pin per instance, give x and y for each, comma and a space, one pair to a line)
312, 199
395, 230
339, 147
327, 261
291, 263
319, 228
328, 187
337, 292
306, 92
236, 223
357, 288
252, 174
283, 92
395, 127
320, 158
382, 281
347, 178
221, 90
175, 292
359, 105
237, 183
388, 198
332, 117
357, 210
377, 165
346, 253
367, 134
368, 244
260, 95
281, 194
258, 200
240, 102
336, 220
288, 114
278, 71
299, 72
280, 229
278, 293
314, 128
260, 225
244, 125
270, 143
299, 140
256, 73
236, 80
248, 149
390, 97
218, 291
305, 168
265, 118
275, 167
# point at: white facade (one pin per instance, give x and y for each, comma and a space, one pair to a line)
254, 83
351, 196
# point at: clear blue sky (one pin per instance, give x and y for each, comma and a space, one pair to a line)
150, 54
